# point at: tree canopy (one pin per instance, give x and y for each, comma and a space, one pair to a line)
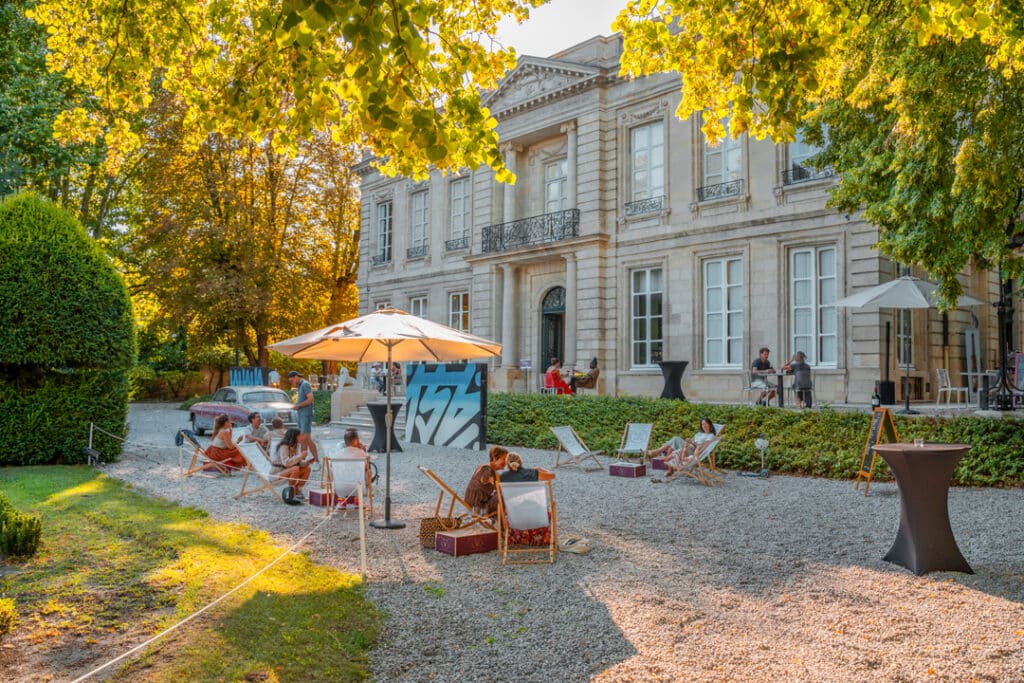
401, 77
918, 106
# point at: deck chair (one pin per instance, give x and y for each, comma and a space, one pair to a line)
702, 468
342, 477
527, 510
487, 521
185, 439
570, 442
635, 439
257, 466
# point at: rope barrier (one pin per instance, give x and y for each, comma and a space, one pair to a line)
205, 608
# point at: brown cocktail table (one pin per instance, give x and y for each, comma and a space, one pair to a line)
924, 542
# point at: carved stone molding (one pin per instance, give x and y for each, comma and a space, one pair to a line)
651, 111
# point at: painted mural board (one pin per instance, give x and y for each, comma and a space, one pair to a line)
447, 405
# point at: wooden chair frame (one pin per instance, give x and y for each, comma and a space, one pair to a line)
327, 481
483, 520
257, 465
703, 468
636, 438
199, 457
577, 452
526, 554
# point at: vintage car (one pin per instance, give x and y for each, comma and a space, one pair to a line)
238, 402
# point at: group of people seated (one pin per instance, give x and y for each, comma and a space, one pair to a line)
482, 490
762, 368
554, 378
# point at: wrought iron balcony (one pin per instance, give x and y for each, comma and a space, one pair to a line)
381, 259
642, 206
710, 193
802, 174
460, 243
416, 252
548, 227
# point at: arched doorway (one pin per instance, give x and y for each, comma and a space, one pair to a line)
552, 326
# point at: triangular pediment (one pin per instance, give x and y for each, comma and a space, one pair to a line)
536, 79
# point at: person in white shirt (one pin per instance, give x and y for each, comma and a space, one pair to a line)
258, 431
678, 454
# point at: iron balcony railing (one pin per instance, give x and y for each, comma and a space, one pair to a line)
802, 174
416, 252
381, 259
548, 227
720, 191
459, 243
642, 206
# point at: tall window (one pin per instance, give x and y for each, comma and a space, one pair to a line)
646, 316
723, 312
418, 306
460, 208
458, 311
420, 218
724, 162
647, 150
905, 337
555, 179
812, 296
800, 151
383, 254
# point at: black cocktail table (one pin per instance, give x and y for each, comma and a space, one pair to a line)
378, 411
924, 542
673, 370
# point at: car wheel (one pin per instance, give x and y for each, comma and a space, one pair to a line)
195, 426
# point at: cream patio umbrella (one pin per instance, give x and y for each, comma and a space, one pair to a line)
387, 335
903, 292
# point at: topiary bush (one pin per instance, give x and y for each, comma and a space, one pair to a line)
20, 533
824, 443
8, 616
67, 339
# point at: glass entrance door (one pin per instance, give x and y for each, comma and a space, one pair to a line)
552, 327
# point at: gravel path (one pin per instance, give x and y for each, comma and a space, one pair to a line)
757, 580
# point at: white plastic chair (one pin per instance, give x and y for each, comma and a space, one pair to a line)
946, 388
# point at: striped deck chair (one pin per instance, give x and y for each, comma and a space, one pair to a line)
527, 523
635, 439
257, 466
482, 520
200, 462
570, 442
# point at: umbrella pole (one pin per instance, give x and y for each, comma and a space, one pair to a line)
387, 522
906, 388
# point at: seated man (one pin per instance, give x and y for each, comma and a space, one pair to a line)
354, 448
553, 378
258, 431
586, 381
758, 370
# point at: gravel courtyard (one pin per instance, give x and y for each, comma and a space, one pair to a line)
757, 580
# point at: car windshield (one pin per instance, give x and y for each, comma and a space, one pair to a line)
266, 396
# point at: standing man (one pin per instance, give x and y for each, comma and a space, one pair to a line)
304, 410
758, 369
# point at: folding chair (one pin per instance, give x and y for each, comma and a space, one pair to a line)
570, 442
342, 476
635, 439
186, 439
483, 520
702, 467
527, 523
257, 465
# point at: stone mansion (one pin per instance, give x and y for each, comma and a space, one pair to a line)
627, 238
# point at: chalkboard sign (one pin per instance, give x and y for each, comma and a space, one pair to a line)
881, 422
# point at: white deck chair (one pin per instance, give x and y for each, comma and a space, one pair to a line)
259, 467
635, 439
702, 467
187, 440
482, 520
527, 507
570, 442
347, 477
946, 388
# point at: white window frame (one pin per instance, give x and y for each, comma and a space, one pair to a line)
646, 348
458, 311
729, 152
420, 214
642, 139
800, 151
418, 306
724, 322
460, 208
385, 230
556, 180
822, 284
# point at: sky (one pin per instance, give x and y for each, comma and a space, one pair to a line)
560, 24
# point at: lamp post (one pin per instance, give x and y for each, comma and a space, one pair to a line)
1004, 310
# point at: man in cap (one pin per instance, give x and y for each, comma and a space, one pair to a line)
304, 412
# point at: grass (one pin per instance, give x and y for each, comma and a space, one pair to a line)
116, 565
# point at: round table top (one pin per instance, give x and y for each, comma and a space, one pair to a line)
926, 447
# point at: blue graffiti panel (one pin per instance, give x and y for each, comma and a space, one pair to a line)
447, 405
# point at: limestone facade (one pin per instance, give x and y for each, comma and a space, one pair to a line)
627, 238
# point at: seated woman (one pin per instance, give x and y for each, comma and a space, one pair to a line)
553, 378
222, 449
587, 380
290, 465
679, 454
517, 473
481, 493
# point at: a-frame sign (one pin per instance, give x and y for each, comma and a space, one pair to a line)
881, 422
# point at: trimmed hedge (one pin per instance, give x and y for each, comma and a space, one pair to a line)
20, 532
67, 338
824, 443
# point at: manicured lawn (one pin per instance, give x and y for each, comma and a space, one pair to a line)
117, 566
